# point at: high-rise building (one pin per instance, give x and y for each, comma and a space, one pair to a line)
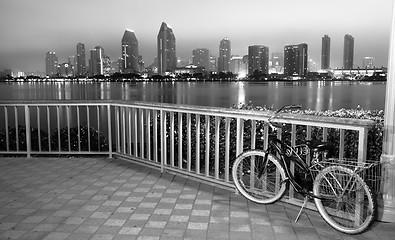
224, 55
295, 60
258, 59
368, 62
326, 52
213, 64
348, 53
130, 53
80, 66
167, 60
51, 64
141, 63
106, 61
96, 61
238, 66
201, 58
71, 65
277, 62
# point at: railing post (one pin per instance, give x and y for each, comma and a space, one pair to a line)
109, 131
117, 129
387, 202
28, 132
239, 136
162, 139
362, 144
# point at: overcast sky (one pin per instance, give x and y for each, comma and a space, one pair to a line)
30, 28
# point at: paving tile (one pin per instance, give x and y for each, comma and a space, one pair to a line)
66, 228
155, 224
163, 211
101, 215
79, 236
46, 227
152, 232
23, 226
198, 225
174, 233
12, 234
115, 222
148, 238
33, 236
34, 219
130, 230
86, 229
218, 235
108, 229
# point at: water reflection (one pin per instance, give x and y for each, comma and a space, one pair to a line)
241, 95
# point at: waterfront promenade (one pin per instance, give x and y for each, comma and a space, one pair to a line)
103, 198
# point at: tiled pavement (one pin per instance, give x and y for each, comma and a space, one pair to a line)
84, 198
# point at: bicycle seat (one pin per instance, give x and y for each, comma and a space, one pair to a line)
318, 146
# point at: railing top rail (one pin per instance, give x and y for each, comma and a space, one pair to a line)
335, 122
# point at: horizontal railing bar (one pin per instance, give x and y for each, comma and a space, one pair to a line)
55, 153
310, 120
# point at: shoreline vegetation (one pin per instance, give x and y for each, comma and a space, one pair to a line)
84, 80
360, 75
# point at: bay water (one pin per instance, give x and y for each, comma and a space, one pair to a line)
315, 95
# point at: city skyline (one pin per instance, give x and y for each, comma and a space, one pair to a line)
273, 24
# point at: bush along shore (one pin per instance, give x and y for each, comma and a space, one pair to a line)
375, 134
83, 139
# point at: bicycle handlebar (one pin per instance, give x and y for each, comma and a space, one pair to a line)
286, 107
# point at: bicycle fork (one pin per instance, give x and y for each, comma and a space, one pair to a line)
264, 165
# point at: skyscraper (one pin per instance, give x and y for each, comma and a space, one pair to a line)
348, 54
81, 62
201, 58
167, 60
238, 66
130, 53
258, 59
213, 64
277, 62
224, 55
368, 62
96, 61
295, 60
51, 64
326, 52
71, 65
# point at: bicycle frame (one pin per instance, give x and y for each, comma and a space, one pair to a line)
287, 154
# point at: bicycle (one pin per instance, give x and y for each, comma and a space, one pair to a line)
340, 194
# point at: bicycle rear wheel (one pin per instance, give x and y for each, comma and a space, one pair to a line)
258, 183
345, 201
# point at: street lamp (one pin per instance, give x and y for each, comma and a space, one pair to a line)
387, 203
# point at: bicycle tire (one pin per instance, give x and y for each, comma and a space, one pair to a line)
351, 212
267, 189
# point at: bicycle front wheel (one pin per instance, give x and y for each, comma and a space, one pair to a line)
344, 199
259, 183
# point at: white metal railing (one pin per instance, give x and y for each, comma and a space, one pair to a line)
198, 141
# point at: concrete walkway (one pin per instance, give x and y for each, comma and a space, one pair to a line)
93, 198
